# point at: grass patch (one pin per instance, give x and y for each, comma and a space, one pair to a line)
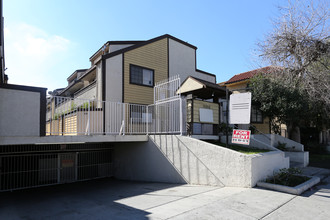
287, 177
243, 149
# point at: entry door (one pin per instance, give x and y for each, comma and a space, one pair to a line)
68, 167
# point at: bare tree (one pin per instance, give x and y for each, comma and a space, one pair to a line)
299, 39
300, 45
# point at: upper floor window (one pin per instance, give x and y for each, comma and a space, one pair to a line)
141, 76
256, 115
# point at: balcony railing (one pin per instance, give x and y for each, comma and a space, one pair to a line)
68, 116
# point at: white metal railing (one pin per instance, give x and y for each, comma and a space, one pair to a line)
167, 117
68, 116
167, 89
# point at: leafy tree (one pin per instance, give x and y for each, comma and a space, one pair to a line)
282, 103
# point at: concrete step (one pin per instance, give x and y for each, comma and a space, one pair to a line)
296, 164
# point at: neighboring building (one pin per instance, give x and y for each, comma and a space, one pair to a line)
239, 83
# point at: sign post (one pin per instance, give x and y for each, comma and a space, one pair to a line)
241, 137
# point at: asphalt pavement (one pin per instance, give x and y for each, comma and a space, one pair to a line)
115, 199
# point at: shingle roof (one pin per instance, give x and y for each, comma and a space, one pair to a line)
249, 74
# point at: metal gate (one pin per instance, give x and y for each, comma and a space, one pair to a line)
27, 166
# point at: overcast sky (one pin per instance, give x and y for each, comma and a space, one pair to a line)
47, 40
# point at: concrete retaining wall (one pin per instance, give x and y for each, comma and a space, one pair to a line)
274, 139
207, 164
180, 159
299, 157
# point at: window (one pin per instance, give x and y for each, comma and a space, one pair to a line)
138, 114
256, 115
141, 76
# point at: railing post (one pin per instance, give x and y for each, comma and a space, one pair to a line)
123, 118
147, 120
180, 116
89, 117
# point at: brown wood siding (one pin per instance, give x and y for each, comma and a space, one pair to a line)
208, 105
70, 125
152, 56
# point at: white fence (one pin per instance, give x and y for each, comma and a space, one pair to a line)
167, 89
67, 116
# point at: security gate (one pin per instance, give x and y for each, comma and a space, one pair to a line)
75, 162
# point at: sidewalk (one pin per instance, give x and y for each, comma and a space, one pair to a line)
114, 199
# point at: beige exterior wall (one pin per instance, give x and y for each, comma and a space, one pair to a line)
152, 56
238, 85
208, 105
263, 127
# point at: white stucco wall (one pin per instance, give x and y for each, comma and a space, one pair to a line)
99, 81
205, 77
182, 62
114, 79
19, 113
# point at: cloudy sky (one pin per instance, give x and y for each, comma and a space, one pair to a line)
46, 41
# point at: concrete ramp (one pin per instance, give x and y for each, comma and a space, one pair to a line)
202, 163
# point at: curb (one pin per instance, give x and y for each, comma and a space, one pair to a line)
297, 190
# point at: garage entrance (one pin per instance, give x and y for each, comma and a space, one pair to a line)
27, 166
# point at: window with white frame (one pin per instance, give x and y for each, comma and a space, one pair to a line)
141, 76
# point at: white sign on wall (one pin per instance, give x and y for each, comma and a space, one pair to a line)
240, 108
206, 115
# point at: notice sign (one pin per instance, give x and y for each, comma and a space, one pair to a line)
240, 108
241, 137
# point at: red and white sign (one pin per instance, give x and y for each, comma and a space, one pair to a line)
241, 137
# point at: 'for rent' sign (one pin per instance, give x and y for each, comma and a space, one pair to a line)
241, 137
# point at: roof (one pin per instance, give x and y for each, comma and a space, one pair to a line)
249, 74
116, 42
76, 71
202, 88
148, 42
207, 84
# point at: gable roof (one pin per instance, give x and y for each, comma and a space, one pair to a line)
143, 43
201, 88
250, 74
